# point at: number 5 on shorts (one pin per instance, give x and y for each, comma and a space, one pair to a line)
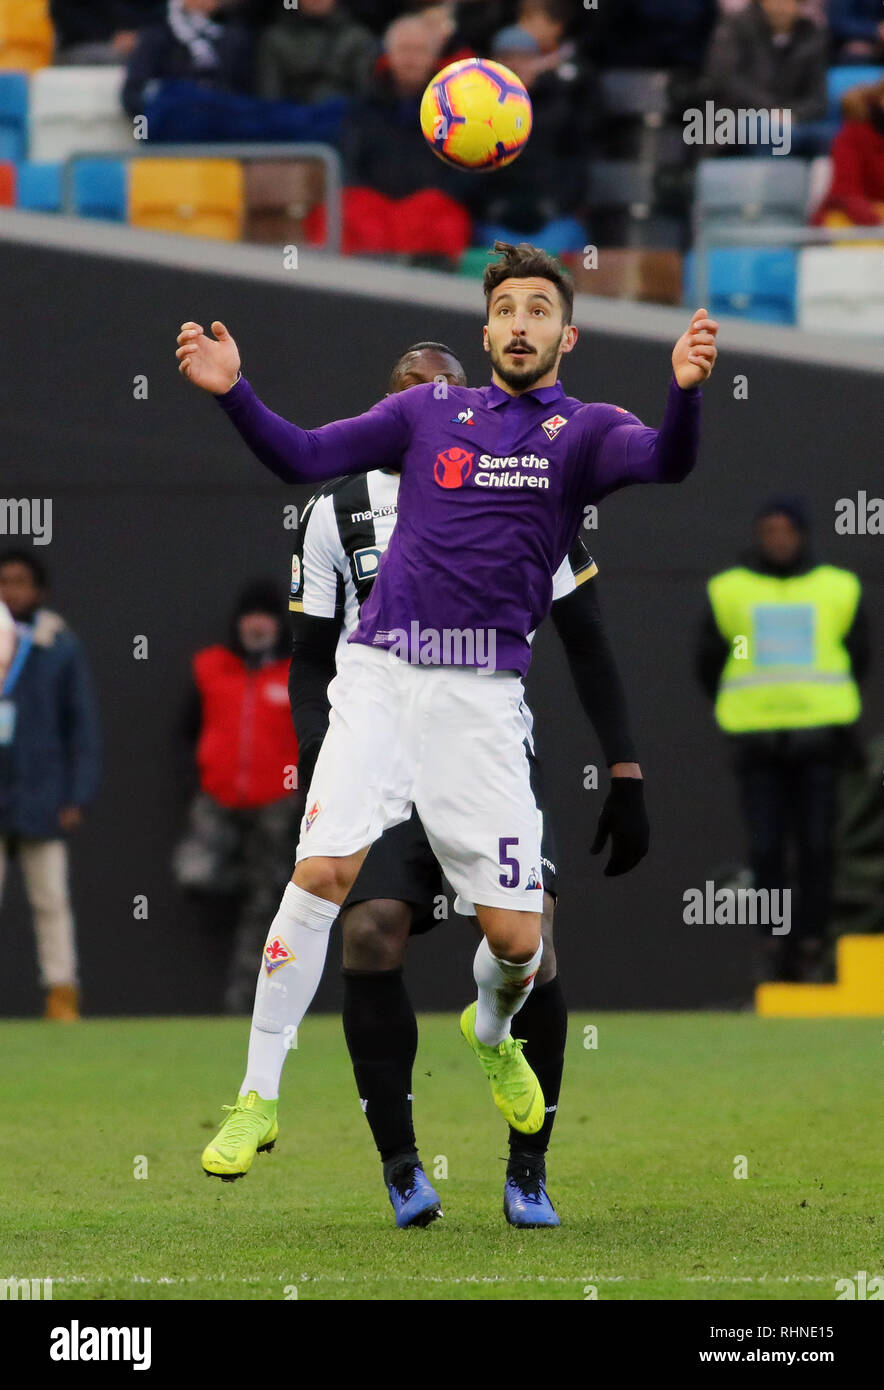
507, 862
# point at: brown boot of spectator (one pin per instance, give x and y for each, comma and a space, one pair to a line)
62, 1004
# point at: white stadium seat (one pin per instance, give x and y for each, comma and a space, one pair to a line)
77, 109
841, 290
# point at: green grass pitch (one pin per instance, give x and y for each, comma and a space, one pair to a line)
651, 1126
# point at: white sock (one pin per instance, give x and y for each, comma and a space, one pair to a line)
504, 985
291, 968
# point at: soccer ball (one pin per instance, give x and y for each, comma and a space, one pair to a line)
476, 114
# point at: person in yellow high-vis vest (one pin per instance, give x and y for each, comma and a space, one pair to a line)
782, 651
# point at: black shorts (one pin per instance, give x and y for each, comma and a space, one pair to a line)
401, 866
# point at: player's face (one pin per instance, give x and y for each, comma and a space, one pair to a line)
525, 335
421, 367
779, 539
18, 590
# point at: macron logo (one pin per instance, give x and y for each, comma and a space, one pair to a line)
76, 1343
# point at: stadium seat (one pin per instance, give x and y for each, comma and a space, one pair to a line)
747, 282
623, 207
841, 290
636, 93
473, 262
841, 80
13, 115
278, 196
650, 276
7, 184
751, 189
77, 109
196, 197
26, 35
39, 187
100, 189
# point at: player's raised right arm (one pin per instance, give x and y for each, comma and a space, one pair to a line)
293, 454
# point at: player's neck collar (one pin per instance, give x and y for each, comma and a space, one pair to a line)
544, 394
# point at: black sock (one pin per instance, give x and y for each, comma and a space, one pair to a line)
381, 1032
543, 1022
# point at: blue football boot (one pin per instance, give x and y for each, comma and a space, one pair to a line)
414, 1200
525, 1199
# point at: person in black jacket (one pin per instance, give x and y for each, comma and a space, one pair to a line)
788, 769
100, 31
195, 41
399, 893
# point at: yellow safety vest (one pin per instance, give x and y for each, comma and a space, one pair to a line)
791, 670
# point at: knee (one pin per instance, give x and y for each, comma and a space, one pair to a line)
375, 934
325, 877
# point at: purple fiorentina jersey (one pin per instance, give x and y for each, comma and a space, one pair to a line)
492, 495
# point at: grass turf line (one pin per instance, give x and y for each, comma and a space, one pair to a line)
651, 1123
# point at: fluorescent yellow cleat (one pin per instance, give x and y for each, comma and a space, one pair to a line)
514, 1086
250, 1128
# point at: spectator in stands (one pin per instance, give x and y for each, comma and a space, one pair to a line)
100, 31
191, 76
857, 29
856, 193
783, 646
195, 42
48, 768
400, 197
538, 196
243, 820
810, 9
315, 52
771, 58
671, 34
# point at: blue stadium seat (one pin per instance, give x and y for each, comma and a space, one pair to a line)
840, 80
747, 282
100, 189
13, 115
39, 187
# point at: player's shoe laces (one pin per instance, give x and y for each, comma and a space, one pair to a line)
250, 1128
415, 1201
525, 1198
514, 1086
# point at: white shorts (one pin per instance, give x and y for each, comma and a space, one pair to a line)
448, 740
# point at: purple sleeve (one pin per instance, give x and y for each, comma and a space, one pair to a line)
628, 452
311, 456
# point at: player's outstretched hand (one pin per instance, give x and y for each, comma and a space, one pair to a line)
211, 363
625, 821
693, 356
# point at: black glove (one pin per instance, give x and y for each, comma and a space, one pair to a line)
625, 820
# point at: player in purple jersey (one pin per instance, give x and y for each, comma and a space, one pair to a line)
425, 708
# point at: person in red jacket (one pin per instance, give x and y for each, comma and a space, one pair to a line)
243, 821
856, 193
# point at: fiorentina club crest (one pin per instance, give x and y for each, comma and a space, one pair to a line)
553, 425
312, 814
276, 953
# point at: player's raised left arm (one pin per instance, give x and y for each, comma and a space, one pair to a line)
293, 454
629, 452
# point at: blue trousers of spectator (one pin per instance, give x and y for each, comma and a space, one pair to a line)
185, 113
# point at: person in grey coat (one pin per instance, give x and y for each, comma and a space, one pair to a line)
770, 57
49, 768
